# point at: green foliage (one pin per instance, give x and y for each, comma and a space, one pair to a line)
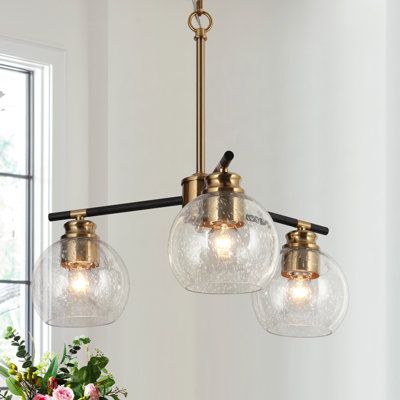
14, 387
8, 332
27, 381
4, 372
5, 395
51, 372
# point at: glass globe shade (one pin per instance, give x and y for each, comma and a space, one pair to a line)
235, 254
301, 306
82, 295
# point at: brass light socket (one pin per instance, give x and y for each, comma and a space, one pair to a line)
80, 254
300, 255
192, 187
223, 181
223, 210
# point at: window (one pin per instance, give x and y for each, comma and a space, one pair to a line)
26, 104
16, 199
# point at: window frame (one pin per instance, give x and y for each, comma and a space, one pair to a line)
47, 114
28, 177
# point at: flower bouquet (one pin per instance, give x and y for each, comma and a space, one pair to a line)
57, 377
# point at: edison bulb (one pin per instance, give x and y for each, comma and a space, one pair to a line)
299, 289
224, 242
79, 283
301, 306
235, 252
84, 294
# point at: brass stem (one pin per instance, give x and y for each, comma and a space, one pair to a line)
200, 103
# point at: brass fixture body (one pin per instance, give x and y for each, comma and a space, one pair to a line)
80, 254
300, 254
193, 186
223, 211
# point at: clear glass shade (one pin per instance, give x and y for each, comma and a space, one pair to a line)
223, 243
303, 307
80, 294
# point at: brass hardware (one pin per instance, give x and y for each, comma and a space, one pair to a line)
78, 214
199, 6
300, 254
200, 104
200, 37
76, 253
223, 210
199, 13
192, 187
223, 181
303, 225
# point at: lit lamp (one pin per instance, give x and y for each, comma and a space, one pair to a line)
80, 281
308, 295
223, 241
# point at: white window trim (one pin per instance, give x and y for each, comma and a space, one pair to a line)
49, 70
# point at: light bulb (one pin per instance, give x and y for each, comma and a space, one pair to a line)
223, 241
78, 283
307, 297
299, 290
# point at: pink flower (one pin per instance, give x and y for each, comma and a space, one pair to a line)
92, 392
40, 396
63, 393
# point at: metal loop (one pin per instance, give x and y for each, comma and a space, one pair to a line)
195, 14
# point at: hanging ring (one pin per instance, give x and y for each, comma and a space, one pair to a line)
199, 14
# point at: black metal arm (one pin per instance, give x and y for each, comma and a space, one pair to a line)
121, 208
175, 201
169, 202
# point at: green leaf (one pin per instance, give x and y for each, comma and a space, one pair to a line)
64, 354
100, 362
51, 371
92, 374
105, 382
77, 389
14, 387
27, 364
8, 332
4, 372
79, 375
84, 339
21, 353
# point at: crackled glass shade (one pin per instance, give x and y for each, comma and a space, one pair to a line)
223, 243
87, 291
300, 306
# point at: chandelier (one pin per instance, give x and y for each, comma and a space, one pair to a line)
221, 242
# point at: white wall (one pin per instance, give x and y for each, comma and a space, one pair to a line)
298, 91
393, 177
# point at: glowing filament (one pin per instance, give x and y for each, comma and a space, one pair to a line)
300, 290
223, 241
79, 284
